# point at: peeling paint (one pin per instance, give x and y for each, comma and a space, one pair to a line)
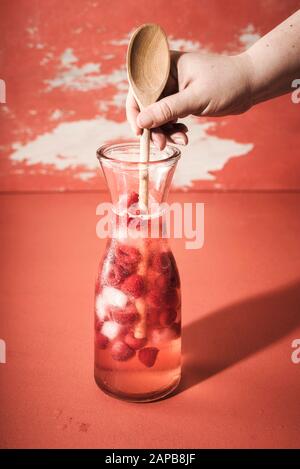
85, 77
184, 45
73, 144
74, 69
249, 36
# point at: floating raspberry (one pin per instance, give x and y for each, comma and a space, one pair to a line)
148, 356
98, 325
152, 316
167, 317
128, 269
134, 285
121, 351
162, 282
101, 341
154, 298
134, 223
115, 276
171, 298
127, 254
125, 316
174, 275
161, 262
134, 342
132, 198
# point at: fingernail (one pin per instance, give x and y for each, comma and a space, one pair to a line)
144, 121
179, 140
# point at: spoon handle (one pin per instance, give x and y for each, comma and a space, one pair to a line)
141, 326
143, 175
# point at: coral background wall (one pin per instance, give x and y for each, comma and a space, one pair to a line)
64, 67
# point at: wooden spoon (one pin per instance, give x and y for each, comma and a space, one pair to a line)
148, 68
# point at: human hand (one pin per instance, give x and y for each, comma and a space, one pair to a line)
200, 85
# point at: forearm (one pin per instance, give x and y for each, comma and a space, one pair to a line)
274, 60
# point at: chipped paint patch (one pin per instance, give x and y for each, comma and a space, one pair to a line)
85, 77
249, 36
73, 144
205, 154
184, 45
57, 114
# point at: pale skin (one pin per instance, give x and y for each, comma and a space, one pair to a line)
219, 85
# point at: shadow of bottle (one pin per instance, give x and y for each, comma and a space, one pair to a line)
237, 331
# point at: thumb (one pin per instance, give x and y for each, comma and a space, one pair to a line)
167, 109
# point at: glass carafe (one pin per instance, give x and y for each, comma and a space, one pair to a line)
137, 294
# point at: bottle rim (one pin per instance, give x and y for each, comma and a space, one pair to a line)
110, 153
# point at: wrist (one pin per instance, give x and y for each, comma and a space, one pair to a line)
247, 70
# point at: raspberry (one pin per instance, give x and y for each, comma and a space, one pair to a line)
115, 275
153, 316
128, 269
98, 325
134, 285
101, 341
134, 223
132, 198
133, 342
127, 255
171, 298
148, 356
154, 298
165, 264
167, 317
125, 316
161, 262
162, 282
121, 351
174, 275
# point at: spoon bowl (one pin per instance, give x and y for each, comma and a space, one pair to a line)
148, 63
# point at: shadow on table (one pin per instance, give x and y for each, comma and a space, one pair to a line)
225, 337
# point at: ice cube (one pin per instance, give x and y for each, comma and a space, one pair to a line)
110, 329
114, 297
100, 308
